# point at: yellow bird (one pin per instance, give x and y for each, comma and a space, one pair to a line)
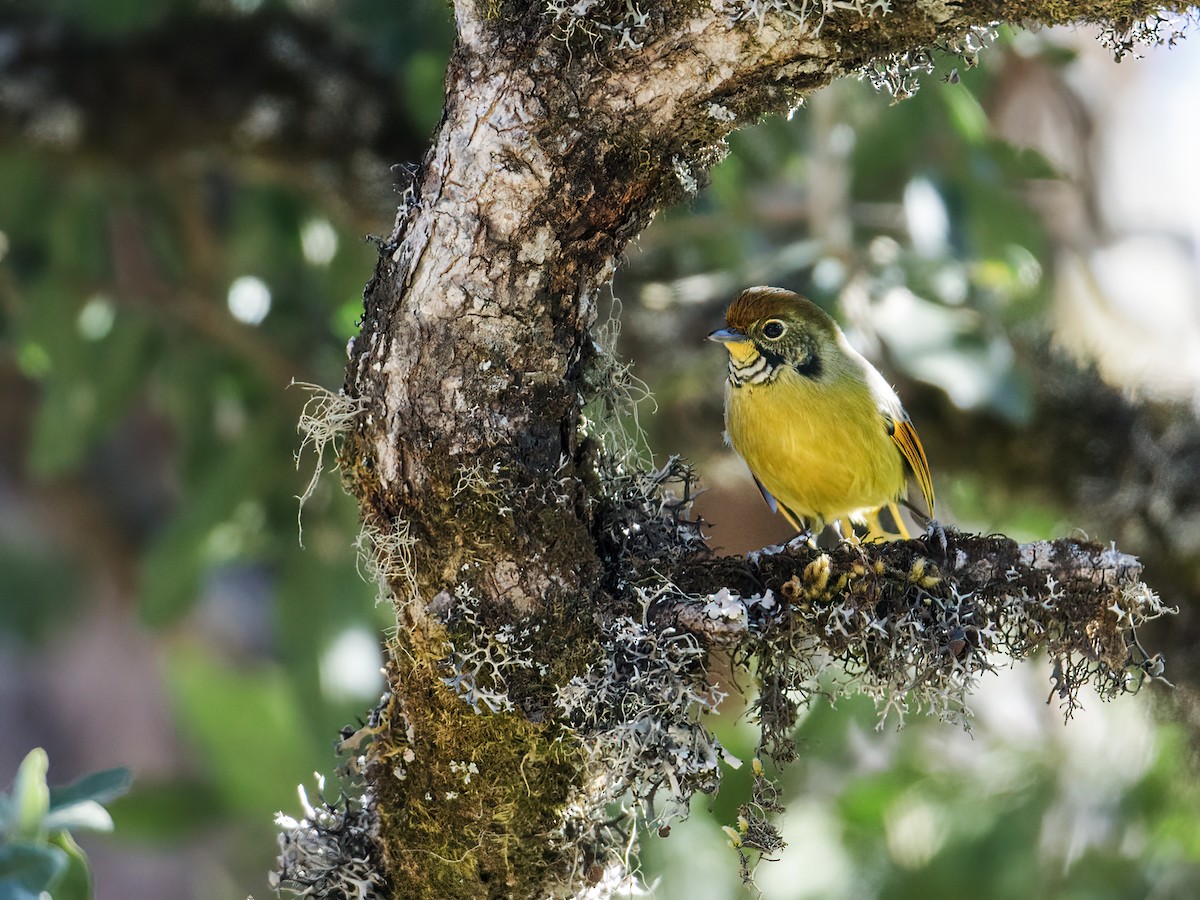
824, 435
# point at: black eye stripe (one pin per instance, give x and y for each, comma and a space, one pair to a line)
774, 360
810, 366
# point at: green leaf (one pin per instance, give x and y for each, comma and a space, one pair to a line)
87, 390
41, 588
168, 811
101, 787
76, 882
966, 114
1023, 162
27, 869
86, 814
31, 796
424, 77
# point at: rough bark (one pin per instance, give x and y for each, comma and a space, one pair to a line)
526, 647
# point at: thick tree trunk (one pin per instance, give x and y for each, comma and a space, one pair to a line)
497, 526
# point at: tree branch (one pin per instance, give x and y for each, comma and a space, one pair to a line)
1126, 469
914, 623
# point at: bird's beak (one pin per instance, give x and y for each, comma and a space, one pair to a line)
727, 336
738, 343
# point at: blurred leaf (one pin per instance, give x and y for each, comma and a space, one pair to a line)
86, 814
865, 802
86, 390
26, 870
30, 799
345, 319
1023, 162
975, 503
966, 114
98, 787
424, 76
76, 882
41, 590
113, 16
173, 566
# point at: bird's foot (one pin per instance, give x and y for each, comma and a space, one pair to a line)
805, 538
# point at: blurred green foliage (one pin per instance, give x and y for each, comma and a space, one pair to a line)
140, 395
38, 853
1011, 812
139, 392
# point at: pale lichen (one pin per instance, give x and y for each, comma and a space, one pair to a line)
1156, 30
325, 419
480, 660
899, 74
386, 557
332, 851
620, 20
810, 14
612, 415
638, 717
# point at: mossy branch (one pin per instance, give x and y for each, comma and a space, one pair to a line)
914, 623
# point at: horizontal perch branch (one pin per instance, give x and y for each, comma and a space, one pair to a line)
914, 623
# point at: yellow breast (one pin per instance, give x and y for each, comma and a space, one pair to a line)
823, 457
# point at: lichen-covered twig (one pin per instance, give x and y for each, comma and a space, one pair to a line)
915, 623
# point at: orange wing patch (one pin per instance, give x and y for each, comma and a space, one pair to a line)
905, 437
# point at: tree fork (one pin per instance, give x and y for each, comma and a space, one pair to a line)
561, 137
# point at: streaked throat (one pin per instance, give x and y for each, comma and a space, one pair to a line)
756, 367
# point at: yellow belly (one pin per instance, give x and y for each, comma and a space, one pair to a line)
823, 460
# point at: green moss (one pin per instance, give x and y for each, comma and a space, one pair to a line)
466, 801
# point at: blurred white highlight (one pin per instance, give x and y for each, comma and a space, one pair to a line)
319, 241
349, 666
249, 299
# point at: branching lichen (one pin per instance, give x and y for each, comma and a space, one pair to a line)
332, 852
807, 13
620, 19
899, 74
480, 660
1156, 30
756, 830
386, 557
911, 624
914, 624
638, 719
612, 417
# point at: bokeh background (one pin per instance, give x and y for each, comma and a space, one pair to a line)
187, 191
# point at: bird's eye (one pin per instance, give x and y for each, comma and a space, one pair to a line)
773, 329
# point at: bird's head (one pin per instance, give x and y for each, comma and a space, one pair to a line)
766, 328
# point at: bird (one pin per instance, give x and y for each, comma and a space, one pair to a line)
824, 435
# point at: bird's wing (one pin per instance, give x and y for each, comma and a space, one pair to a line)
904, 436
771, 501
777, 507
